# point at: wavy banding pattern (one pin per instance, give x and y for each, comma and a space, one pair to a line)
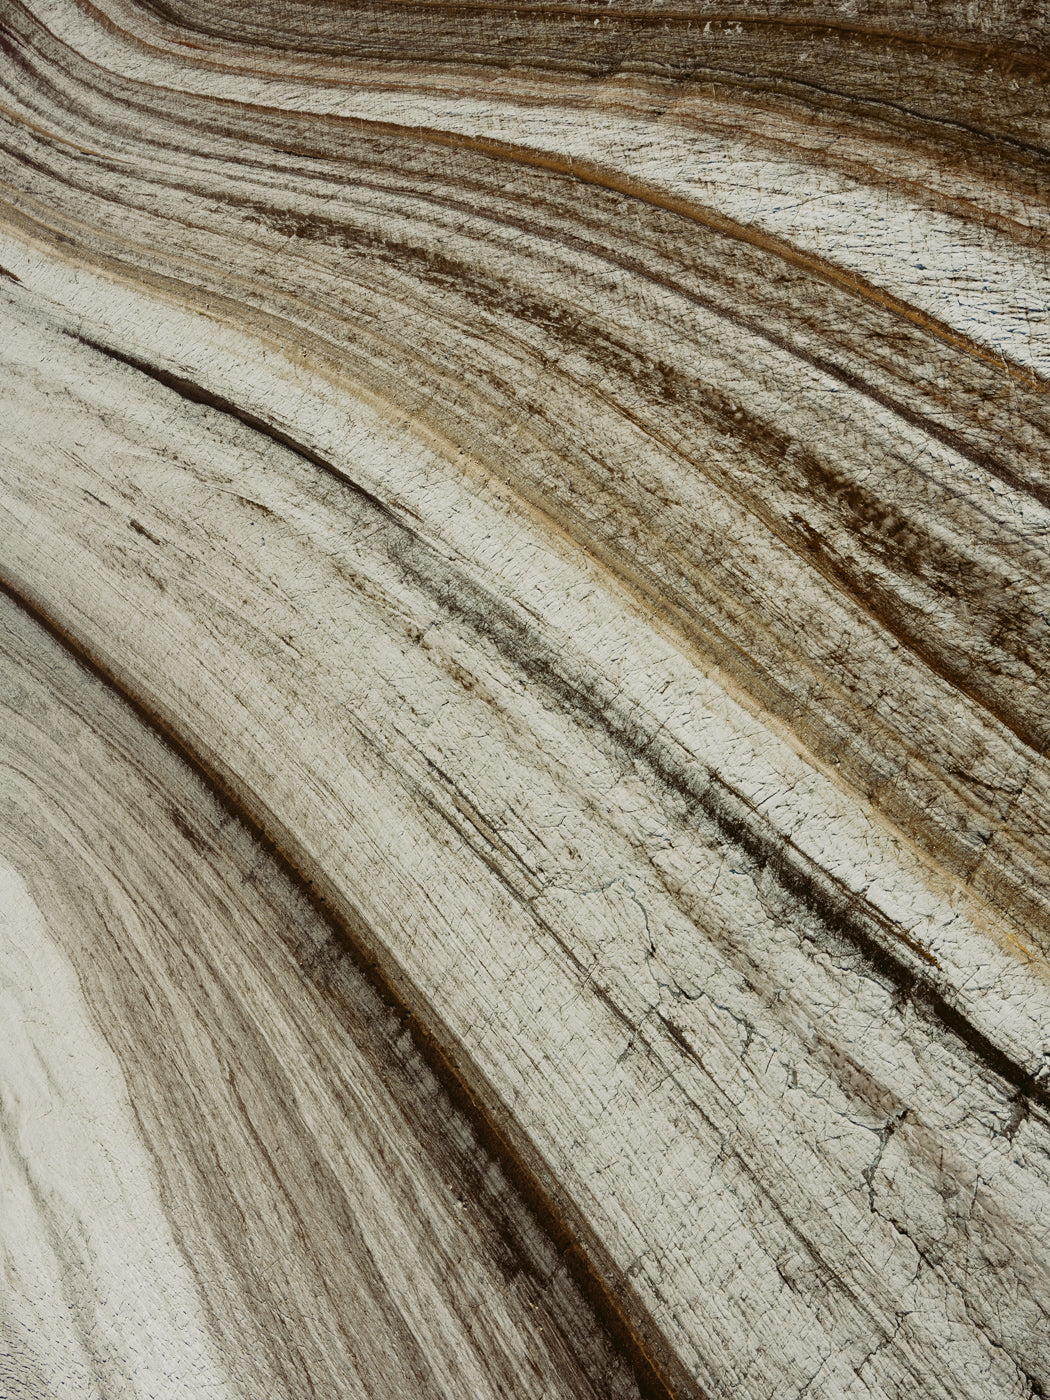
577, 484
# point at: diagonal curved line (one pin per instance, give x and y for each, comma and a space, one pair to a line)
610, 559
822, 363
627, 1324
594, 173
887, 948
1028, 60
660, 19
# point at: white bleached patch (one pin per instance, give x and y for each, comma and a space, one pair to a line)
91, 1281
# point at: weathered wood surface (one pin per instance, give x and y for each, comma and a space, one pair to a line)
525, 803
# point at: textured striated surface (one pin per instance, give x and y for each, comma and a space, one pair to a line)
577, 484
306, 1158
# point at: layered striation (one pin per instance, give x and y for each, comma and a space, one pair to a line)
575, 487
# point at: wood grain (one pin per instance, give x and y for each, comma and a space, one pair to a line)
554, 507
253, 1183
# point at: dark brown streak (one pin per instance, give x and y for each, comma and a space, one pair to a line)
696, 213
946, 436
196, 393
841, 912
